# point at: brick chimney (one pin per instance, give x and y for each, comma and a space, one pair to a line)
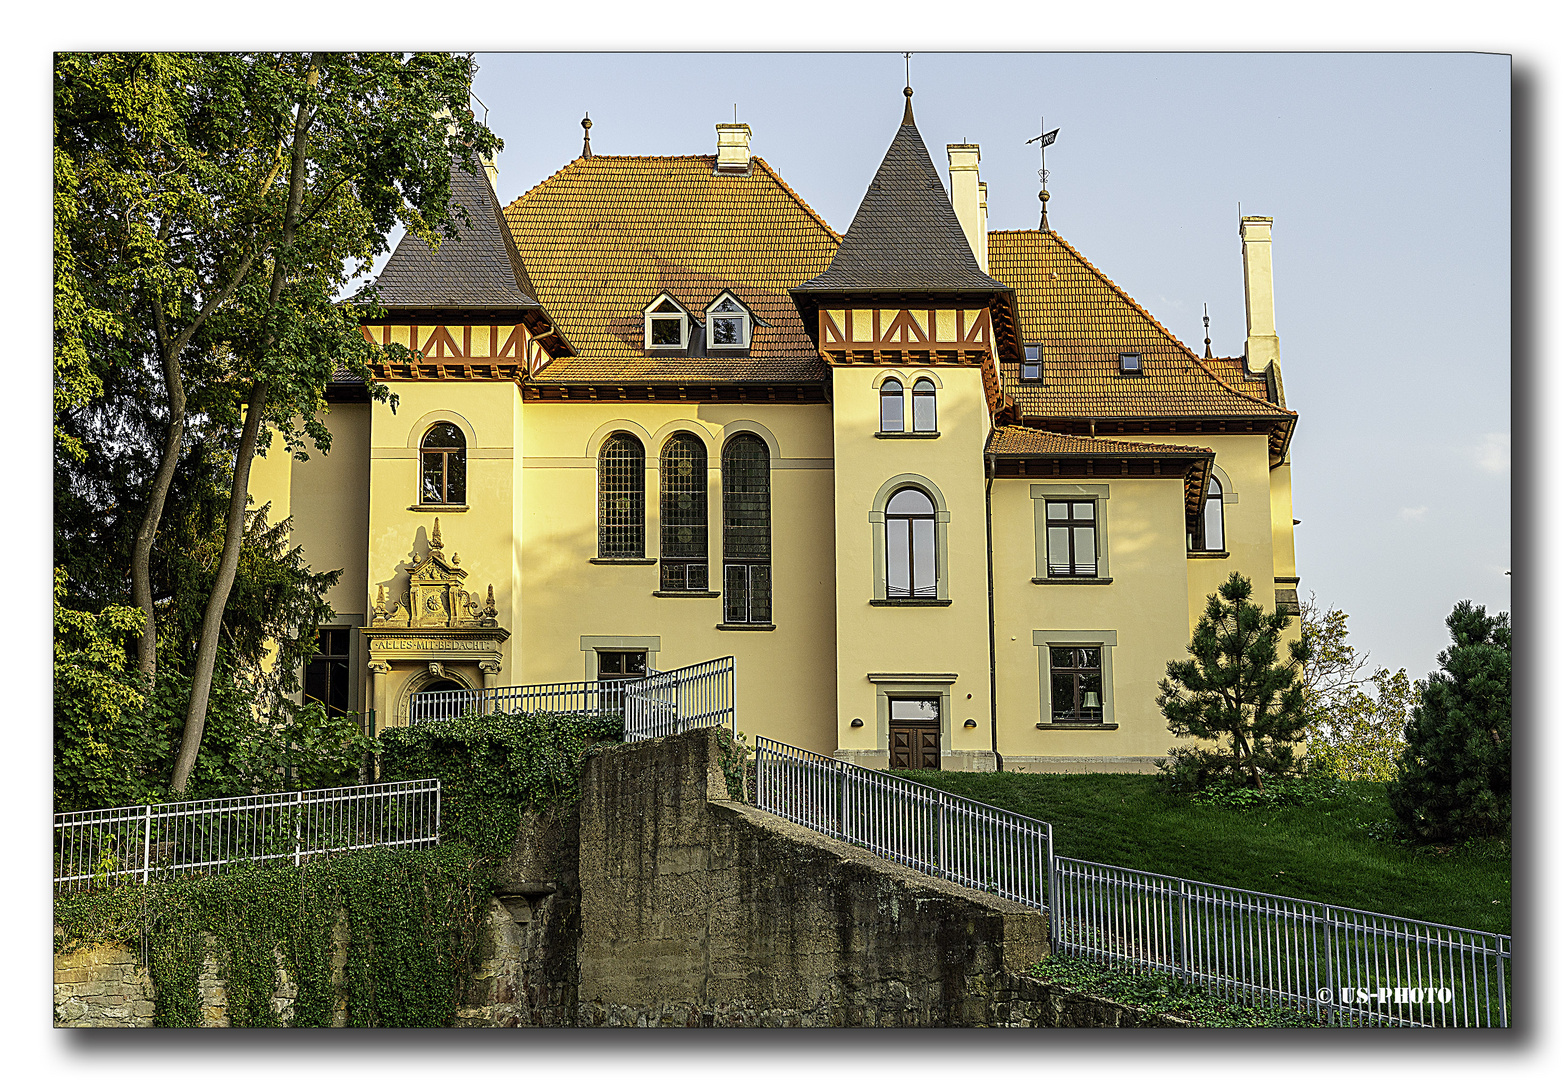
966, 199
733, 148
1261, 349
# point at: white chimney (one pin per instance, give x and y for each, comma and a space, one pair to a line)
983, 226
965, 198
733, 148
492, 171
1261, 349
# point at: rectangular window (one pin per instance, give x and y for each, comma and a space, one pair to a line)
326, 676
619, 665
1072, 538
1032, 363
1130, 363
728, 331
747, 593
1076, 684
668, 330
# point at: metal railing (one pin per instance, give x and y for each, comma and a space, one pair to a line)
683, 699
125, 844
1251, 946
600, 698
1279, 950
961, 840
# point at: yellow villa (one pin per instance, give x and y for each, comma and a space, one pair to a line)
950, 497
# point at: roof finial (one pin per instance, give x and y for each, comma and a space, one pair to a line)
434, 537
1206, 321
907, 90
586, 135
1043, 140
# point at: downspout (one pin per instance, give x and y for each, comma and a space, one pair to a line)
994, 706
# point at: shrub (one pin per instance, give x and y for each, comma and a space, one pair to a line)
1454, 777
493, 767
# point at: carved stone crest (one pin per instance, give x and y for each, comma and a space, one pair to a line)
435, 597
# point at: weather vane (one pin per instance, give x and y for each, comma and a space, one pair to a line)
1044, 141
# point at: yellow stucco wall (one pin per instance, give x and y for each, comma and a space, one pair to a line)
912, 640
330, 496
785, 676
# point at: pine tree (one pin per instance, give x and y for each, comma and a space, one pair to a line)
1454, 778
1235, 692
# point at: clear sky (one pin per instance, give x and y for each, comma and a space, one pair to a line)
1388, 176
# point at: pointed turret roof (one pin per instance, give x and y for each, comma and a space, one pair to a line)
905, 236
478, 268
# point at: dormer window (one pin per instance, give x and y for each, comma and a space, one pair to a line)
667, 324
727, 324
1032, 363
1130, 363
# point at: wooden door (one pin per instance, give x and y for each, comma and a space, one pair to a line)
915, 733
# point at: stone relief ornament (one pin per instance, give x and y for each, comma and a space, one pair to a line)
436, 598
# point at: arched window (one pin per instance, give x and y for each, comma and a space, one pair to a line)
891, 406
923, 405
443, 461
910, 546
621, 498
747, 531
682, 514
1212, 514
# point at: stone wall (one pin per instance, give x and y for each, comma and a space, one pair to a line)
699, 911
659, 902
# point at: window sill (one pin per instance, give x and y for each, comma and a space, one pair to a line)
907, 434
746, 626
1073, 581
1061, 725
623, 562
672, 595
439, 508
1206, 554
908, 602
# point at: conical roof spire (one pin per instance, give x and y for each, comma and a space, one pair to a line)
905, 236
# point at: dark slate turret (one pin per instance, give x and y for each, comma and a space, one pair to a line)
477, 269
905, 237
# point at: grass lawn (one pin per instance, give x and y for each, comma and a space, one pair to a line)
1329, 850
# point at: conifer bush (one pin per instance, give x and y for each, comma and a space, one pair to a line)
1453, 779
1235, 693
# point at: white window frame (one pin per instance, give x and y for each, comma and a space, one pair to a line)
746, 324
651, 312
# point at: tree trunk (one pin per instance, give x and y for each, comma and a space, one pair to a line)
141, 554
239, 495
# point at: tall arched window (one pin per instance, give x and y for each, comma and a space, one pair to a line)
891, 406
682, 514
1212, 525
443, 466
923, 405
747, 531
910, 546
622, 511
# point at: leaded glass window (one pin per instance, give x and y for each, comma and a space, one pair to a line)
443, 466
682, 514
747, 531
621, 498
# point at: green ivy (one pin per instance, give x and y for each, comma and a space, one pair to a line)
1160, 994
410, 918
493, 767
